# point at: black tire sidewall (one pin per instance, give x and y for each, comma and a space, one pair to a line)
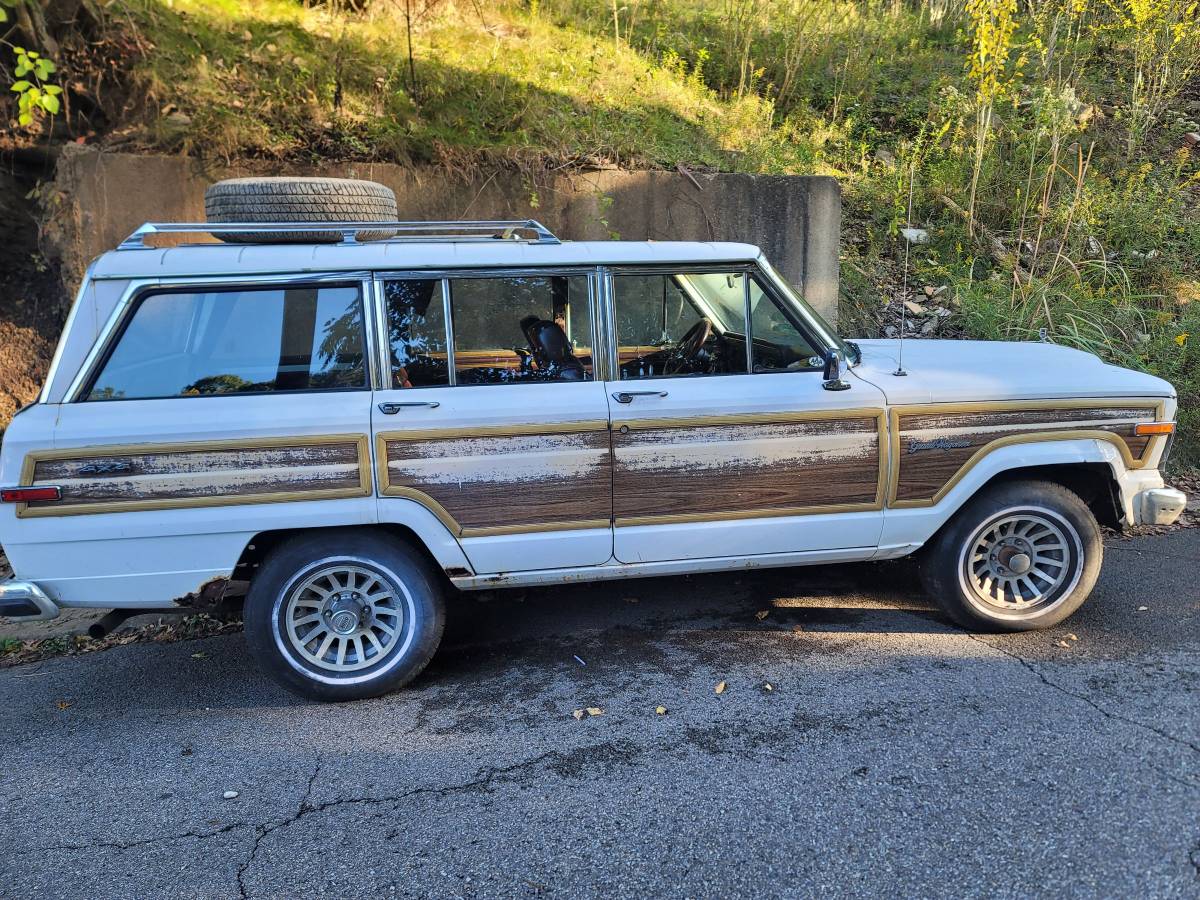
298, 199
392, 558
941, 562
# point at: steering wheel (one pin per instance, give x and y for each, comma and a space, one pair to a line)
689, 346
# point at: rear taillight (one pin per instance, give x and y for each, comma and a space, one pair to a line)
29, 494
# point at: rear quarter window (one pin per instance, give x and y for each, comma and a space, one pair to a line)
236, 341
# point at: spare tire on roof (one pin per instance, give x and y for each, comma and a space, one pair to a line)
298, 199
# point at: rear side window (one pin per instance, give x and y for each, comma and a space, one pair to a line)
519, 329
203, 343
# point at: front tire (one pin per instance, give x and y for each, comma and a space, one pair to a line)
1020, 556
344, 615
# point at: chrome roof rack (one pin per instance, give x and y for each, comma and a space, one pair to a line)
460, 231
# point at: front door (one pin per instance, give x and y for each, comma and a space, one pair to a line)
492, 418
729, 447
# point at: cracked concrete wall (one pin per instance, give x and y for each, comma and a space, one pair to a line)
101, 197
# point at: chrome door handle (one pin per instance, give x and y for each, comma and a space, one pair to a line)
627, 396
390, 409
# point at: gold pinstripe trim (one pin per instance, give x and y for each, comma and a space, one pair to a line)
546, 428
765, 418
1157, 406
29, 464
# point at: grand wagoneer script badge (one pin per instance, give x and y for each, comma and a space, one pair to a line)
938, 444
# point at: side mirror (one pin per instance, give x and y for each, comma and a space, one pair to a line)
833, 372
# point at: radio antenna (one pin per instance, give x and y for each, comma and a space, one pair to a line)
908, 236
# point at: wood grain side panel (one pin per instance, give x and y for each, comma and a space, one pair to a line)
126, 477
934, 448
738, 469
509, 481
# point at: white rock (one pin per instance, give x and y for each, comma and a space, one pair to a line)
229, 795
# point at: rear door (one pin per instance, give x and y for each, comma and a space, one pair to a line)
491, 417
729, 448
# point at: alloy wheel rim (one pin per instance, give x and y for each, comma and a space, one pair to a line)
343, 618
1020, 563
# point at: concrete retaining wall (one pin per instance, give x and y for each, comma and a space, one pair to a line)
795, 219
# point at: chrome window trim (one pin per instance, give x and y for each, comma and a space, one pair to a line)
608, 336
448, 320
748, 313
770, 280
819, 327
137, 287
592, 273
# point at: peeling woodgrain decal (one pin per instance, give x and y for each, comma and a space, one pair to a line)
120, 478
935, 445
735, 467
482, 481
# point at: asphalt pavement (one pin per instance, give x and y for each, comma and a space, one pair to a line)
893, 754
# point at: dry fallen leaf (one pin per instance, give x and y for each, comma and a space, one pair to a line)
595, 711
201, 655
1062, 644
720, 688
1072, 637
762, 614
661, 710
578, 714
64, 704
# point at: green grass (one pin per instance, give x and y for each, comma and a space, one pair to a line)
277, 79
541, 84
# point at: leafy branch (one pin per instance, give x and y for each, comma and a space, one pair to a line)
32, 72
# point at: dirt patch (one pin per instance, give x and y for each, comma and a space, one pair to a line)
32, 301
24, 358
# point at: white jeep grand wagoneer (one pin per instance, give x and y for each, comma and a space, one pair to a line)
342, 429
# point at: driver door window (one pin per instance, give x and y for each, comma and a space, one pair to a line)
666, 327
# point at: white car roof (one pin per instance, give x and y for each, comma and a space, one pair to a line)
249, 259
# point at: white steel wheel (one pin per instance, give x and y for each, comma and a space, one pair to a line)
1021, 562
344, 614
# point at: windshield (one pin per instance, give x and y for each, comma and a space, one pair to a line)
822, 328
723, 295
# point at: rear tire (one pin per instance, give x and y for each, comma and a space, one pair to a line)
344, 615
1020, 556
297, 199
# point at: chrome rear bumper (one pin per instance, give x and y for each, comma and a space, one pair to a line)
1158, 506
25, 600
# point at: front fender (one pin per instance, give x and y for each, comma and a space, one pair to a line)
916, 525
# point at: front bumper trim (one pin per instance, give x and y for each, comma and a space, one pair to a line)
26, 601
1159, 506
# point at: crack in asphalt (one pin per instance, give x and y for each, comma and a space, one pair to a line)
1141, 550
1108, 714
143, 842
261, 831
482, 781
